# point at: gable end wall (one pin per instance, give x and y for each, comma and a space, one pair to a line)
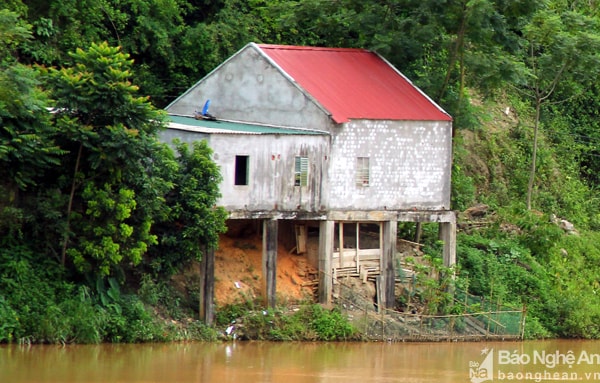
410, 165
249, 88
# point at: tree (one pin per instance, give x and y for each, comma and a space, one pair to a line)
560, 52
194, 222
26, 142
27, 137
151, 31
110, 134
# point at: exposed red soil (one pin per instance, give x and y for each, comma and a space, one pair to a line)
238, 272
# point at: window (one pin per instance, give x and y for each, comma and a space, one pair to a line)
362, 171
301, 171
241, 170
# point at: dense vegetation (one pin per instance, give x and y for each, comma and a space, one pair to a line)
91, 202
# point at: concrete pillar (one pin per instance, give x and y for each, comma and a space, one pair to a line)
269, 261
326, 235
207, 286
388, 270
448, 235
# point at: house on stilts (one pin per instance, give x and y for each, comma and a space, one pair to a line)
328, 143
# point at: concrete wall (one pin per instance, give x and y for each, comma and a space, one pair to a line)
410, 165
271, 169
249, 88
410, 161
187, 137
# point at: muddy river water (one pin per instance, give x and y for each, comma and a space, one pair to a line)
539, 361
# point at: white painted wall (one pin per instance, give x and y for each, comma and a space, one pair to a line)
272, 164
271, 169
410, 165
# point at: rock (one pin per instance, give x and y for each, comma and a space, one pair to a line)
478, 211
566, 225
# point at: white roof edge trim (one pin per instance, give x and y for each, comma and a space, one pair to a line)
203, 129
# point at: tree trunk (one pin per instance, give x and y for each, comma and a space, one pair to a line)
536, 125
63, 256
456, 52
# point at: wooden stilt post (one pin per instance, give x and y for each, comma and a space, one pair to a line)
269, 261
356, 251
207, 286
381, 291
326, 234
448, 235
202, 292
341, 242
209, 292
390, 230
418, 232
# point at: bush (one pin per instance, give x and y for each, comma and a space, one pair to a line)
463, 186
197, 331
331, 325
9, 321
82, 319
128, 321
310, 322
162, 297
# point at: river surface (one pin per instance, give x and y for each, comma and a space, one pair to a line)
238, 362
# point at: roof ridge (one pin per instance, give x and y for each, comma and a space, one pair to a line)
305, 47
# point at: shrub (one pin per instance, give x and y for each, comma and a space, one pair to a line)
9, 321
309, 322
162, 297
331, 325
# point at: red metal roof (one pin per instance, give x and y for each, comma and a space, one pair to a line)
354, 83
